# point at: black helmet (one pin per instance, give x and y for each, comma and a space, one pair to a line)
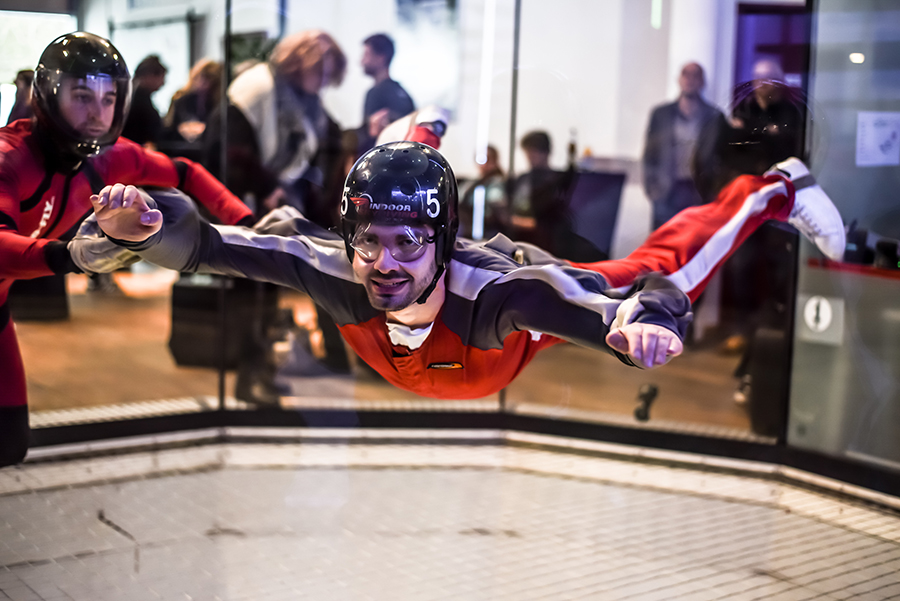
79, 55
402, 183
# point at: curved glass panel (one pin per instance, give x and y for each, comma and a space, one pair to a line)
844, 399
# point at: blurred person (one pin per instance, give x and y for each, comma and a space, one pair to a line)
450, 318
539, 205
766, 126
669, 147
386, 101
283, 146
771, 110
284, 149
144, 125
192, 105
244, 65
492, 183
22, 106
538, 192
49, 167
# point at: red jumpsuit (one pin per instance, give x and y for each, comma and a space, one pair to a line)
38, 205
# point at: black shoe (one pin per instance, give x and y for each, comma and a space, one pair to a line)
13, 434
259, 388
103, 283
302, 363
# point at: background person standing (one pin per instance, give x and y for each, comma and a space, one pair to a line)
386, 101
670, 144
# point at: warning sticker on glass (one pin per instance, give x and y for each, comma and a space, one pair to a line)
877, 138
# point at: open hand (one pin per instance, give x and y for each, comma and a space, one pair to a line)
647, 344
122, 213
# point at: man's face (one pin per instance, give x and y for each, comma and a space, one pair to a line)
764, 73
88, 104
490, 165
313, 80
155, 82
691, 80
393, 285
371, 61
537, 159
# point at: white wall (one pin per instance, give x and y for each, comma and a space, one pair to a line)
23, 37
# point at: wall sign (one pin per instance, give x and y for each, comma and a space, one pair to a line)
877, 138
821, 319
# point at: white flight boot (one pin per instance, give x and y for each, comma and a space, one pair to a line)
813, 214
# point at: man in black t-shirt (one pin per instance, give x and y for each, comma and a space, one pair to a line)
386, 101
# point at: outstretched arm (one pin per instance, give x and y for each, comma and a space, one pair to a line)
286, 249
643, 327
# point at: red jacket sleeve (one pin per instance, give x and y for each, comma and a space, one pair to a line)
128, 163
21, 257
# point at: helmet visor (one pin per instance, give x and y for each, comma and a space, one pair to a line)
88, 104
87, 109
405, 244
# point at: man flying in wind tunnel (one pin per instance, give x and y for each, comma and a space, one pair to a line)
50, 165
450, 318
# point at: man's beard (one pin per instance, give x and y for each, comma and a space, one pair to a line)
412, 291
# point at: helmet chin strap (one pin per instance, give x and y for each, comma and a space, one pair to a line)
424, 297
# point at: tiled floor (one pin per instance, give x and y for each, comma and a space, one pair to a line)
323, 520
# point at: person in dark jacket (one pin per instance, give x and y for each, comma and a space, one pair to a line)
144, 125
669, 149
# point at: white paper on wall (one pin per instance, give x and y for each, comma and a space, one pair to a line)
877, 138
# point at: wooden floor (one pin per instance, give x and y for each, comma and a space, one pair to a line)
113, 350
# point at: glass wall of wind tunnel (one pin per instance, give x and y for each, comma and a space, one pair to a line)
844, 389
455, 56
97, 348
591, 87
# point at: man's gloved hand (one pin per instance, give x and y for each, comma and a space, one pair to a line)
93, 252
648, 345
126, 213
